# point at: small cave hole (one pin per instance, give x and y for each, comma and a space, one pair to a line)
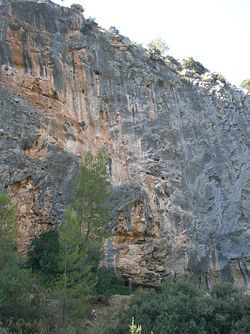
54, 95
83, 125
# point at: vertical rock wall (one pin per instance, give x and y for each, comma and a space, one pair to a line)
177, 143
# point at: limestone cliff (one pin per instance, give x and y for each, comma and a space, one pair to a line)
177, 142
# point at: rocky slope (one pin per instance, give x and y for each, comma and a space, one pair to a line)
177, 142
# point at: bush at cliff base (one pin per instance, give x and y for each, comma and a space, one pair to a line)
183, 307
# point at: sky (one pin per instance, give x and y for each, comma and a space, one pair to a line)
214, 32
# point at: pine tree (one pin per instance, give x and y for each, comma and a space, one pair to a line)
18, 303
75, 284
81, 235
91, 193
8, 231
158, 48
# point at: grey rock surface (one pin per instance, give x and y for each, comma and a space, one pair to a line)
40, 186
178, 143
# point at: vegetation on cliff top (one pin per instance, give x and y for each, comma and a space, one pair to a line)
157, 48
192, 64
245, 84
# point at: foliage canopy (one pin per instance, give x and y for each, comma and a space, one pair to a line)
158, 48
43, 256
81, 235
17, 304
182, 307
194, 65
7, 219
246, 84
91, 194
8, 231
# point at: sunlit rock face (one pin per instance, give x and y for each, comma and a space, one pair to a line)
176, 141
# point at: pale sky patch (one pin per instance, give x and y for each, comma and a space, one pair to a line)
214, 32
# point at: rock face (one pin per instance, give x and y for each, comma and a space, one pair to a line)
177, 143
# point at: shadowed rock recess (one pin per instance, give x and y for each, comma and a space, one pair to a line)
176, 141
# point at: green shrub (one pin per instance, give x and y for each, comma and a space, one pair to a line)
157, 48
245, 84
172, 60
18, 301
194, 65
219, 76
108, 284
44, 255
183, 307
